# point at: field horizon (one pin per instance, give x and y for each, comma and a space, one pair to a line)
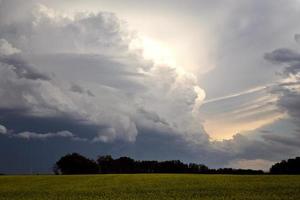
149, 186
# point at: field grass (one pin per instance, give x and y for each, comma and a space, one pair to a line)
149, 186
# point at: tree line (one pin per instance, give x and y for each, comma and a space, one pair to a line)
290, 166
77, 164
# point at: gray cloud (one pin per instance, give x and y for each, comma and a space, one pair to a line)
22, 68
112, 85
29, 135
3, 129
288, 91
297, 38
79, 89
285, 140
283, 56
32, 135
79, 74
247, 30
7, 49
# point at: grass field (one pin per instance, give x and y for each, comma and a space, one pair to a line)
149, 186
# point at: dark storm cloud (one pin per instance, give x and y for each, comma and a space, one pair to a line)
25, 158
105, 98
288, 91
290, 102
25, 122
247, 147
284, 140
100, 82
283, 56
288, 57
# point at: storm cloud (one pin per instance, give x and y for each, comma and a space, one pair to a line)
98, 46
73, 82
289, 89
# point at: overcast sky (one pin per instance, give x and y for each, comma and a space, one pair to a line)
213, 82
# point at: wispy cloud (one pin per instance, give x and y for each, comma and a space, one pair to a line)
33, 135
238, 94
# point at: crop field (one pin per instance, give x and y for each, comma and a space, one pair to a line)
149, 186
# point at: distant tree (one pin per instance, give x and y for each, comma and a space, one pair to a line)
55, 169
146, 166
172, 166
291, 166
125, 165
78, 164
106, 164
194, 168
75, 164
198, 168
236, 171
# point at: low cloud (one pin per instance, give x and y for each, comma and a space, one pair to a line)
33, 135
3, 129
29, 135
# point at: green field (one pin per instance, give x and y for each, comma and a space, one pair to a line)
149, 186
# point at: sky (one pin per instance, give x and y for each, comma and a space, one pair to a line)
213, 82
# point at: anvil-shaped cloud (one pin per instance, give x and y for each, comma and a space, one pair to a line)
84, 81
97, 80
